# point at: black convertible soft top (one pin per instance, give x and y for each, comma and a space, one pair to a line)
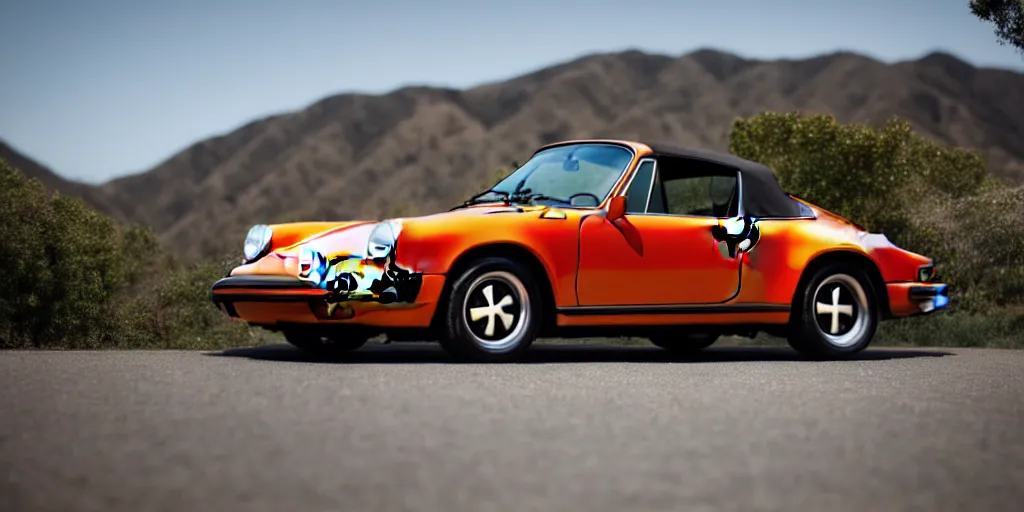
762, 195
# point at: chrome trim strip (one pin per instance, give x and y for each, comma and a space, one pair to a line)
274, 282
739, 188
650, 189
673, 309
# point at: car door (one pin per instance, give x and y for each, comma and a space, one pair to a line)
662, 250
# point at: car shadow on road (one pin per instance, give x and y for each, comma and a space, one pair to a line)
411, 353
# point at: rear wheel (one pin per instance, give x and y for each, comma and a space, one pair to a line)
321, 346
493, 312
685, 343
837, 313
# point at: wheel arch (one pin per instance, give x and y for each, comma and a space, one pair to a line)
848, 257
507, 250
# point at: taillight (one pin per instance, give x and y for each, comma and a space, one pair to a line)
926, 273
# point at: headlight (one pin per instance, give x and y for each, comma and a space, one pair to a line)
257, 242
382, 239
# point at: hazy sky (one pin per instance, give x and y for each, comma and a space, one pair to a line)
99, 88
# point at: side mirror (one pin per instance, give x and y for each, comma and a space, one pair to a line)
616, 208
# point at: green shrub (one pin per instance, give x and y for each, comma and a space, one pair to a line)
74, 278
979, 243
173, 310
61, 260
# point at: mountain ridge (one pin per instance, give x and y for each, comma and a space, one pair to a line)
420, 148
50, 179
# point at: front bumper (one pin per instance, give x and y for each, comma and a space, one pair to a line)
261, 288
275, 299
916, 298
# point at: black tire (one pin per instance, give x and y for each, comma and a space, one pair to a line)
685, 343
325, 347
498, 333
835, 314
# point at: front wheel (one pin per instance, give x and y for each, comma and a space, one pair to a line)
836, 314
493, 312
326, 347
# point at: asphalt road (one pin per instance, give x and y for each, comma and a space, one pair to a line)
577, 428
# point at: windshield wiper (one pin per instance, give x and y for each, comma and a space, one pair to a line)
526, 196
478, 199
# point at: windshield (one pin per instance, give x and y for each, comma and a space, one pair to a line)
576, 175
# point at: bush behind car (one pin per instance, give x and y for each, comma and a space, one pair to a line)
74, 278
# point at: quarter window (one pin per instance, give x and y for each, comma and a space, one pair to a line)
640, 188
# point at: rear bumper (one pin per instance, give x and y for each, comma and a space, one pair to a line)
267, 300
916, 298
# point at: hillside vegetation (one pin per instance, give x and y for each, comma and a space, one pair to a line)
75, 278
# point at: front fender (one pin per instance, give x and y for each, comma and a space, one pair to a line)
435, 247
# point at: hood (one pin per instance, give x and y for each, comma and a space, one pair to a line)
287, 235
350, 238
477, 210
339, 238
491, 215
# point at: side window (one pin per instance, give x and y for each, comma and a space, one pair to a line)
708, 195
639, 189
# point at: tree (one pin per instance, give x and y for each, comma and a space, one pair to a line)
61, 262
1008, 17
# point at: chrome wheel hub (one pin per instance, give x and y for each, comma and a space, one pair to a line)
841, 309
496, 310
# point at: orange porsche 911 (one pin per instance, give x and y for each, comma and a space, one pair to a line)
588, 238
